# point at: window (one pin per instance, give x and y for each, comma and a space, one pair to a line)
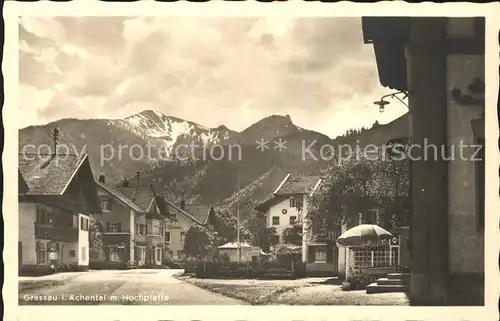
43, 217
183, 236
320, 254
382, 257
84, 223
167, 236
137, 228
158, 254
114, 227
293, 219
379, 257
72, 253
480, 182
41, 253
293, 202
162, 232
116, 254
156, 230
148, 229
84, 253
142, 229
394, 255
106, 204
276, 220
275, 239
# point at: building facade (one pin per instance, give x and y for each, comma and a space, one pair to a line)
440, 64
141, 227
288, 207
56, 196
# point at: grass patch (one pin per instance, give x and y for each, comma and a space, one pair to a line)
253, 292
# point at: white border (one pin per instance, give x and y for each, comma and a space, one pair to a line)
230, 9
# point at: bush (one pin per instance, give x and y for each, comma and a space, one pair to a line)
174, 263
105, 265
190, 266
271, 269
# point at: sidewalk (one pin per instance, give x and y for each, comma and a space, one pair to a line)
35, 282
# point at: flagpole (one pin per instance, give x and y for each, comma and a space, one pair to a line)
238, 219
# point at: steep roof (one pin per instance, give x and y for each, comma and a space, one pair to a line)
49, 174
292, 184
234, 245
148, 200
22, 186
117, 194
297, 184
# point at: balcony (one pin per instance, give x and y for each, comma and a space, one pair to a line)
118, 238
56, 233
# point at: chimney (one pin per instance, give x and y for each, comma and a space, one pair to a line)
183, 202
102, 179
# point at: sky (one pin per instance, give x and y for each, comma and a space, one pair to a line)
213, 71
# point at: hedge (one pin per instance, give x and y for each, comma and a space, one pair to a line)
267, 270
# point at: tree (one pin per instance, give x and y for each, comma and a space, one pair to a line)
96, 229
293, 235
198, 242
358, 184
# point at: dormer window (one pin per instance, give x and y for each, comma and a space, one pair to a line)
293, 202
106, 204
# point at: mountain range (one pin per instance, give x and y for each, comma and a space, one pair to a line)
221, 161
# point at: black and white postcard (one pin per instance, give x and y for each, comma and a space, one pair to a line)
250, 161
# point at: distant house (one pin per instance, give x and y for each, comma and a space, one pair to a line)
183, 217
56, 195
287, 207
143, 227
249, 253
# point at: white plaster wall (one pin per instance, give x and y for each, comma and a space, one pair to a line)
276, 210
27, 218
83, 243
465, 240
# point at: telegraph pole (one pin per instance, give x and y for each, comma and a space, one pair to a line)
238, 219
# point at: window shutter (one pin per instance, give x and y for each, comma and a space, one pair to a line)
311, 254
106, 251
119, 227
329, 253
108, 228
109, 204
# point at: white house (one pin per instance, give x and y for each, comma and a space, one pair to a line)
287, 207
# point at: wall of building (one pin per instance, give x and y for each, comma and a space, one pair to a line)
83, 243
27, 218
67, 247
176, 244
465, 239
246, 254
284, 219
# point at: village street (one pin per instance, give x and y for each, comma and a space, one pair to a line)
156, 286
169, 287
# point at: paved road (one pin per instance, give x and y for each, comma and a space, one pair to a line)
124, 287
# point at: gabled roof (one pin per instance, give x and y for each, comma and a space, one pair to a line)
148, 200
200, 212
292, 184
22, 186
49, 174
197, 213
234, 245
298, 184
118, 195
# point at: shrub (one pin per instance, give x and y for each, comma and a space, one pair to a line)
105, 265
271, 269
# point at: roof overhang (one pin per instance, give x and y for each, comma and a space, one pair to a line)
389, 36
